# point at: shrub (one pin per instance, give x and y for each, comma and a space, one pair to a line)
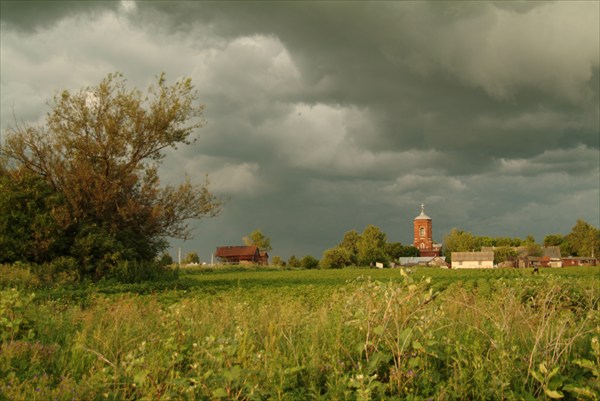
13, 323
335, 258
277, 261
139, 271
60, 271
18, 275
309, 262
293, 261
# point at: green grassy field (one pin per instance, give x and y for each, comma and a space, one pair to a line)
350, 334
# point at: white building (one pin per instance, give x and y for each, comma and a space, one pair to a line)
472, 260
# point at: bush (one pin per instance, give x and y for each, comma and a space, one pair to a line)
17, 275
60, 271
335, 258
13, 323
293, 261
277, 261
309, 262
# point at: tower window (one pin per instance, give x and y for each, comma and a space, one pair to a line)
422, 231
422, 245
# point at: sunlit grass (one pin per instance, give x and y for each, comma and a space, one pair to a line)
338, 334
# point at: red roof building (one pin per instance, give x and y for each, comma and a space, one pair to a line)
241, 255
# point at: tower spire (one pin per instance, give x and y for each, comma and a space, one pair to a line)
422, 208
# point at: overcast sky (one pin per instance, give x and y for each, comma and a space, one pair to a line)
326, 117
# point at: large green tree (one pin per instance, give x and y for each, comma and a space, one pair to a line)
395, 250
371, 246
583, 240
100, 150
459, 241
349, 243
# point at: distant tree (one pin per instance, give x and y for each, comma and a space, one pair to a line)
277, 261
459, 241
371, 246
394, 250
309, 262
528, 240
507, 241
293, 261
584, 239
100, 150
486, 241
566, 248
554, 240
504, 253
349, 242
335, 258
533, 248
191, 257
165, 259
257, 238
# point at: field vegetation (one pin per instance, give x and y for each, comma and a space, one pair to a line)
262, 334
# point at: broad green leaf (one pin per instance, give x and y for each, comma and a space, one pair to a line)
553, 372
584, 391
553, 393
584, 363
537, 376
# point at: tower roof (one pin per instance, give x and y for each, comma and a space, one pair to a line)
422, 216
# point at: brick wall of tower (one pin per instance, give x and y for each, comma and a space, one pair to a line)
425, 239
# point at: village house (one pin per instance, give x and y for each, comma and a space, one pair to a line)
472, 260
549, 257
579, 261
428, 261
241, 255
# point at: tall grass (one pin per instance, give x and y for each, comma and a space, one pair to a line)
515, 338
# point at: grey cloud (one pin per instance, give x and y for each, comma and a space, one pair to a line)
366, 53
29, 16
323, 117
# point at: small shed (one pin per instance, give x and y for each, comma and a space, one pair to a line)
472, 260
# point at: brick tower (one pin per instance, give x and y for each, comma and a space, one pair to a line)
423, 229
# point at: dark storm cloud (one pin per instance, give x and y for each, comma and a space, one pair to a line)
328, 116
31, 15
430, 72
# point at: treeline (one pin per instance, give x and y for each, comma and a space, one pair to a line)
365, 249
583, 240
